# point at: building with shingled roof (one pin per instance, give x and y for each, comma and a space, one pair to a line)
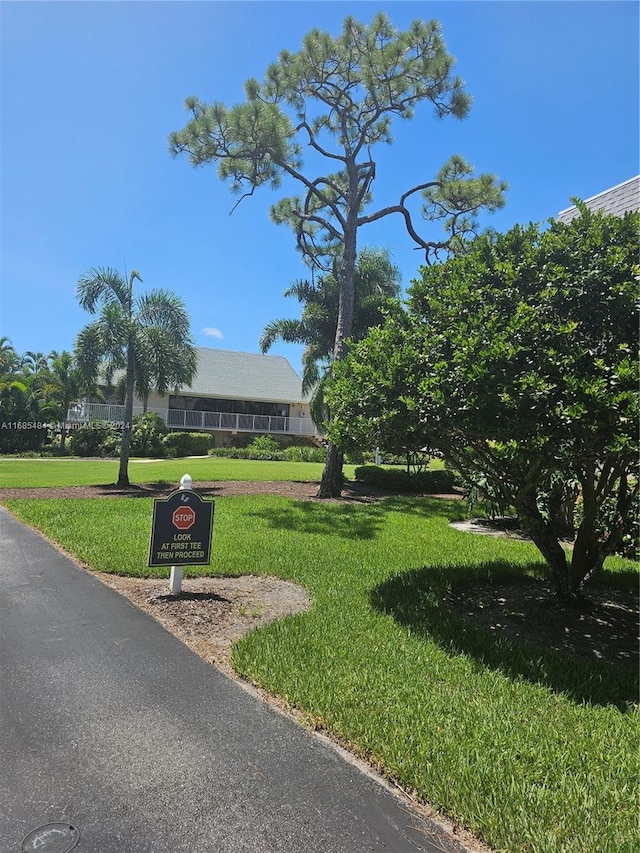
231, 393
617, 200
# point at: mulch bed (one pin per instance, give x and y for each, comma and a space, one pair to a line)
352, 491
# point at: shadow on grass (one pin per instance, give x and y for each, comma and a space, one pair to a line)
159, 488
351, 520
422, 600
426, 507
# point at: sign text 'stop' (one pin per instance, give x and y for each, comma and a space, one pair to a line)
183, 518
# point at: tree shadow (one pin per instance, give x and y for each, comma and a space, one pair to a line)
520, 633
157, 489
191, 596
352, 518
426, 507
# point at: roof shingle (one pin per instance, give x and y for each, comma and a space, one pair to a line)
617, 200
245, 376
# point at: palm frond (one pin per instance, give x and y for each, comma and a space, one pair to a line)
317, 404
101, 286
163, 309
303, 290
287, 331
88, 355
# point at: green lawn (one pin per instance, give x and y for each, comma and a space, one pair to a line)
532, 751
35, 473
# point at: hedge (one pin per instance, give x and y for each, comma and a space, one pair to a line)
188, 443
428, 482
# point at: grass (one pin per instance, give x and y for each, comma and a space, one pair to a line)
36, 473
532, 751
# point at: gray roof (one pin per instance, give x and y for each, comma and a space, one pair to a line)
245, 376
617, 200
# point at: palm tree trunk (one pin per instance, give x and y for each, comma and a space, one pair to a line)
125, 444
63, 431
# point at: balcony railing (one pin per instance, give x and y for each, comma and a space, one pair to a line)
186, 420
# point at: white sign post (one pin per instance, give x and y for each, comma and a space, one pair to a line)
175, 579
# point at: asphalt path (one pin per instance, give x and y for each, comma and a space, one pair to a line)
109, 724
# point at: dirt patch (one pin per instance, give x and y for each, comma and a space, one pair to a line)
303, 491
212, 613
295, 490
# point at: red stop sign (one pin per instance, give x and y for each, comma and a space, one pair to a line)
183, 518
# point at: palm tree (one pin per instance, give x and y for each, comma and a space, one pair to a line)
376, 285
22, 399
314, 329
151, 331
34, 362
9, 358
163, 363
64, 386
7, 353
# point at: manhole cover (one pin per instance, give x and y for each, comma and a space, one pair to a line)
52, 838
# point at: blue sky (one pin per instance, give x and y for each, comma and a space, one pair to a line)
91, 90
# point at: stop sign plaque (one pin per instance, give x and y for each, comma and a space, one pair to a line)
183, 518
181, 530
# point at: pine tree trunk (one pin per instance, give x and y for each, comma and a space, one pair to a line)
331, 484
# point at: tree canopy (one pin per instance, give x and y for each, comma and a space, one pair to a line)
519, 361
335, 100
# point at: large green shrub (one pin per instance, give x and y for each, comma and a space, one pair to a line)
297, 453
519, 361
229, 452
247, 453
97, 439
273, 449
246, 439
188, 443
147, 433
264, 446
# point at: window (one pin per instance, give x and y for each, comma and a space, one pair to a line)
242, 407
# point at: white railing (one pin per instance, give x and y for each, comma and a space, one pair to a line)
106, 412
185, 420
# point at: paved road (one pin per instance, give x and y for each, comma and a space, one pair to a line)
110, 724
